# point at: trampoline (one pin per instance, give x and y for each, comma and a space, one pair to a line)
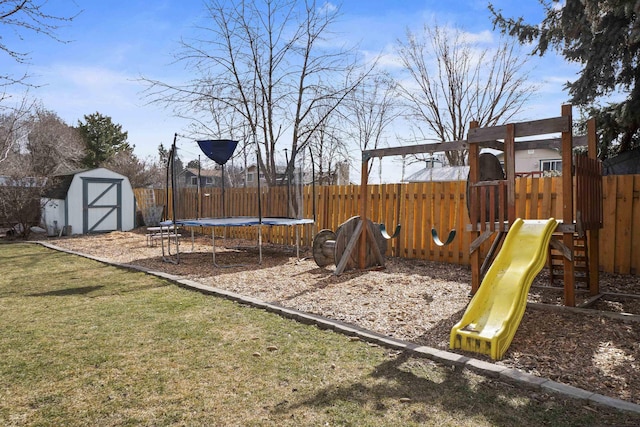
287, 213
236, 222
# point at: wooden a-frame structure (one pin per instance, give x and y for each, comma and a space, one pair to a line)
363, 237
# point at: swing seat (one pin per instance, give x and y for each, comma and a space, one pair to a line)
386, 235
436, 238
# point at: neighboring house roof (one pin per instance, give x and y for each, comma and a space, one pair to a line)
205, 172
27, 181
445, 173
626, 163
279, 168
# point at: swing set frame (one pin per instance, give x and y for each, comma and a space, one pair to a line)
398, 151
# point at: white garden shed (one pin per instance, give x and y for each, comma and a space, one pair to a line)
89, 201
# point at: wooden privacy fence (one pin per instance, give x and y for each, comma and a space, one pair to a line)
421, 206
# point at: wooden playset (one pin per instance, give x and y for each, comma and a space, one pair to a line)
491, 201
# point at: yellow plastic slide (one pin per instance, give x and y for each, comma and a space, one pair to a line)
495, 311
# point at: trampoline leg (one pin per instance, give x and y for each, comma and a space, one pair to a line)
260, 244
213, 245
175, 232
166, 257
297, 241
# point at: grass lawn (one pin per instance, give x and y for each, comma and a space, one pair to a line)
83, 343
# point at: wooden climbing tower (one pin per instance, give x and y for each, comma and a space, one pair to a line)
492, 203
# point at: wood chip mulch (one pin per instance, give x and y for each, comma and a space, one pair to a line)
413, 300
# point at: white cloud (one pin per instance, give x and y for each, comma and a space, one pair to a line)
79, 88
91, 78
328, 7
481, 37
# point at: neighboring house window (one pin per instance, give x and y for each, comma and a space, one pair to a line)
551, 165
194, 180
249, 177
209, 180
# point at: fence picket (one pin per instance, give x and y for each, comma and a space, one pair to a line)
608, 241
635, 224
623, 226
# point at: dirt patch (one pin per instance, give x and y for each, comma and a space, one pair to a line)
413, 300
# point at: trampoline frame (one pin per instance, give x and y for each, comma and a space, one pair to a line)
232, 222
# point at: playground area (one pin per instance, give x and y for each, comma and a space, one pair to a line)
414, 300
567, 322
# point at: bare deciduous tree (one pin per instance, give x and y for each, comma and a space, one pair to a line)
370, 110
53, 147
453, 80
269, 62
20, 204
328, 148
141, 173
13, 127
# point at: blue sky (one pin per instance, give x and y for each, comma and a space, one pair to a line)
112, 43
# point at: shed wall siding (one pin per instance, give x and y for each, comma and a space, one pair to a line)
54, 216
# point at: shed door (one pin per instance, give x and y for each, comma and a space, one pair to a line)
102, 204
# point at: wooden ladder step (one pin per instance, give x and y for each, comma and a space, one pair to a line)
580, 262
